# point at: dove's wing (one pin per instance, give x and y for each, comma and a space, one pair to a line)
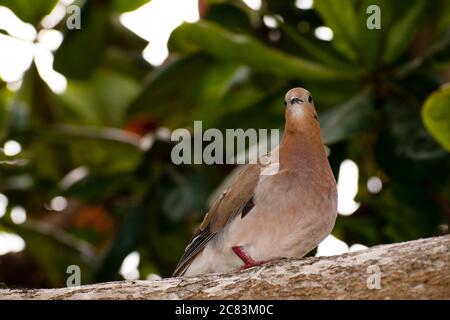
236, 199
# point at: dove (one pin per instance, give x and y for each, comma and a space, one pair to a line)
263, 217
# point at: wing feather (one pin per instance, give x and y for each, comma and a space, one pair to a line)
237, 199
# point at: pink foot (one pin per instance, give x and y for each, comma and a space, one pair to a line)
248, 261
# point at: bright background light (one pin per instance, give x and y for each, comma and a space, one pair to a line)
129, 268
324, 33
347, 187
374, 184
58, 203
18, 215
10, 242
332, 246
23, 45
304, 4
15, 57
11, 148
16, 27
3, 204
156, 20
253, 4
270, 22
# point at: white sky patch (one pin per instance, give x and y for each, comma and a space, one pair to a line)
11, 148
129, 268
304, 4
347, 187
67, 2
19, 50
10, 242
3, 204
156, 20
50, 39
15, 58
323, 33
331, 246
253, 4
16, 27
44, 63
18, 215
54, 17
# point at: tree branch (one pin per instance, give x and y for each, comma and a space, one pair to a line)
411, 270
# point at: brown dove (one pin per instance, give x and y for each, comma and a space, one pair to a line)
261, 217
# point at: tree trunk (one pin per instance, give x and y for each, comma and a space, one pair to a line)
417, 269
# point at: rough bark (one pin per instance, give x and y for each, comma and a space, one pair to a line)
417, 269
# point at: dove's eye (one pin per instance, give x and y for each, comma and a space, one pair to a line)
310, 99
285, 103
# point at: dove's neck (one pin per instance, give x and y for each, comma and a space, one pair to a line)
303, 148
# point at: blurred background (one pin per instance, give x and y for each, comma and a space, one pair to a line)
86, 115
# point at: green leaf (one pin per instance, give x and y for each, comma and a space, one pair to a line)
127, 5
114, 91
103, 150
372, 40
73, 58
188, 195
404, 29
416, 214
245, 49
436, 116
230, 16
344, 120
219, 80
340, 16
172, 87
3, 112
444, 17
30, 11
329, 57
101, 100
405, 150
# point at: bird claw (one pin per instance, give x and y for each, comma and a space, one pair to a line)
248, 261
255, 264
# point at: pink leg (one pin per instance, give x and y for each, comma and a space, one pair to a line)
248, 261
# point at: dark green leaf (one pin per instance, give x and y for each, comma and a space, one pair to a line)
73, 58
104, 150
172, 91
127, 5
403, 30
244, 49
351, 117
30, 11
340, 16
101, 100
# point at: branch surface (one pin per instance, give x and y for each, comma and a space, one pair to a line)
417, 269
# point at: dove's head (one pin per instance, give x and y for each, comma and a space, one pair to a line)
300, 111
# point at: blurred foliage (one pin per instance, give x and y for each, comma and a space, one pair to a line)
103, 143
435, 114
